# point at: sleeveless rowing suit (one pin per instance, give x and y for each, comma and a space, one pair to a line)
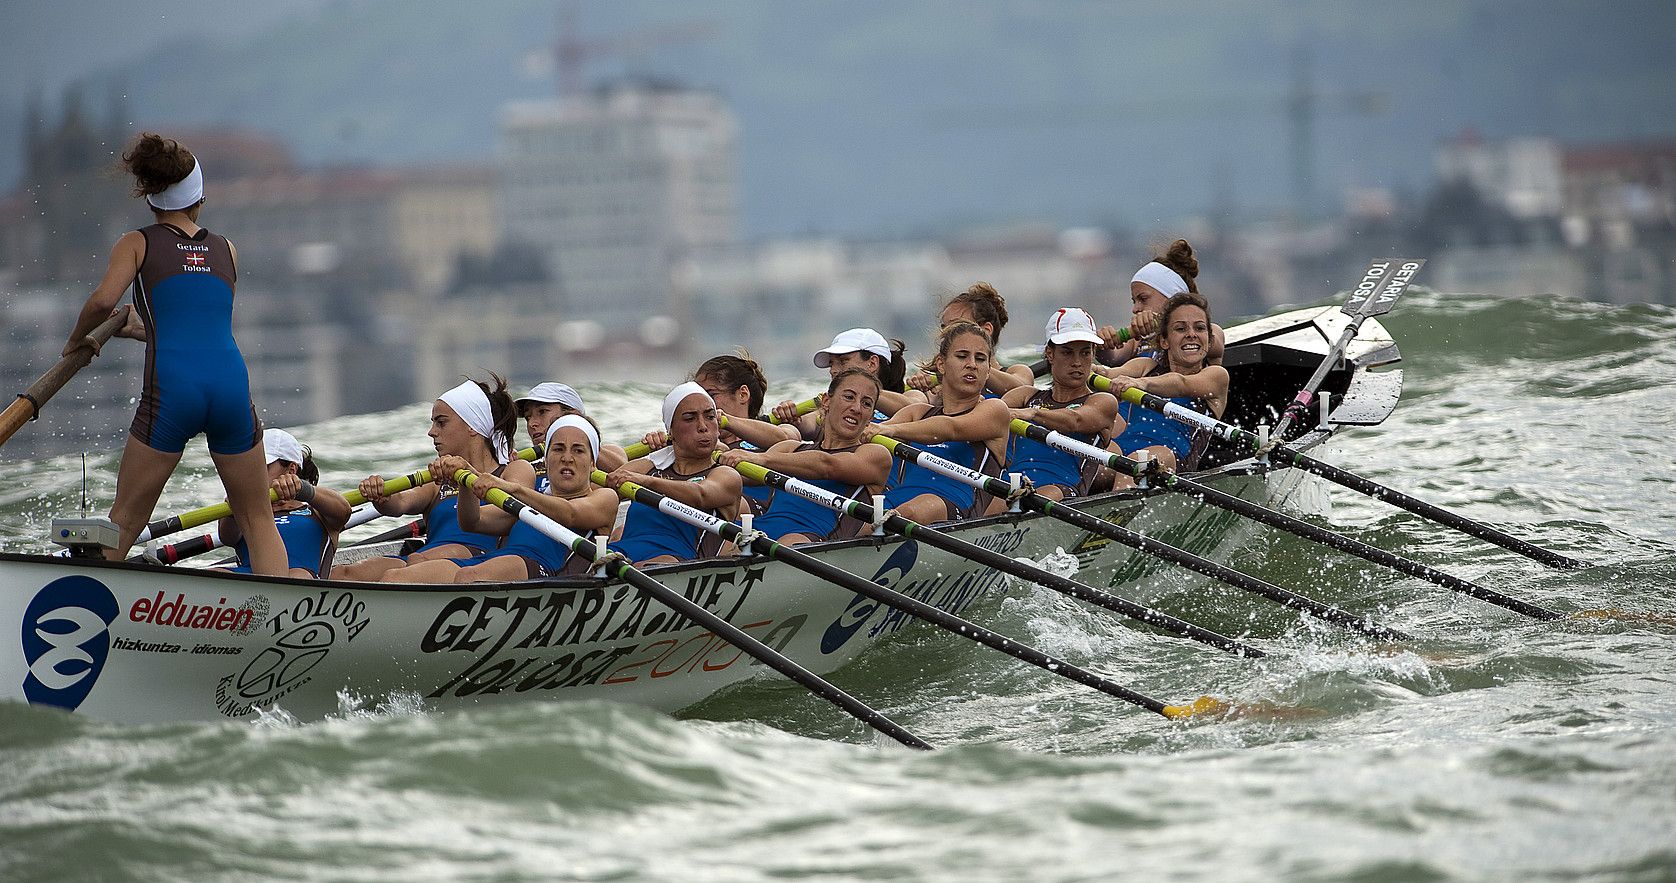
1146, 427
442, 524
754, 496
308, 544
790, 513
648, 533
1045, 465
961, 499
195, 377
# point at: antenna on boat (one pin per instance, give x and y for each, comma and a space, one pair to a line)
84, 484
85, 537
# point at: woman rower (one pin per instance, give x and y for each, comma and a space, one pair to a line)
737, 385
572, 500
307, 516
1174, 272
983, 306
195, 378
1066, 406
686, 472
964, 427
839, 462
1178, 372
548, 402
858, 348
474, 421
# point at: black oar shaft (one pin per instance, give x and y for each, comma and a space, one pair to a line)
911, 606
1196, 563
1204, 566
1425, 510
1292, 457
1354, 547
696, 612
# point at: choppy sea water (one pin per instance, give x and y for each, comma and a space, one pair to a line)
1491, 747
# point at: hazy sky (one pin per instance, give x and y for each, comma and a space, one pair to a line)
901, 117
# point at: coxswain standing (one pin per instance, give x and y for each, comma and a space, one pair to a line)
195, 378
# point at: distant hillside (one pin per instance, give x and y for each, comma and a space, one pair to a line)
897, 118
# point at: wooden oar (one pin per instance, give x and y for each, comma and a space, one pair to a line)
28, 404
1265, 515
1382, 283
890, 598
690, 609
1195, 563
1290, 457
895, 523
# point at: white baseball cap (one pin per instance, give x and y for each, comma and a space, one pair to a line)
1071, 323
282, 445
854, 340
553, 393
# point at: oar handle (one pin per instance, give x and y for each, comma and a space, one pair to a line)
28, 403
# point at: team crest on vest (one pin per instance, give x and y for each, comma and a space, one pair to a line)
66, 639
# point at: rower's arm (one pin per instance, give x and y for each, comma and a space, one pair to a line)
761, 433
719, 489
332, 508
596, 511
1095, 415
1210, 384
1001, 380
868, 464
120, 271
986, 421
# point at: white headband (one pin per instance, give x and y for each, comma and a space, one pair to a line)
664, 457
183, 194
573, 420
1168, 282
470, 402
675, 397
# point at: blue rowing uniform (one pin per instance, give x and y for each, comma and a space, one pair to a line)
909, 481
1045, 465
1146, 427
755, 496
308, 545
790, 513
648, 533
442, 524
195, 377
543, 556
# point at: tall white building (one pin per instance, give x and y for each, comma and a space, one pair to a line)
615, 188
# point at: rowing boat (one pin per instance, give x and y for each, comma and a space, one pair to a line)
135, 642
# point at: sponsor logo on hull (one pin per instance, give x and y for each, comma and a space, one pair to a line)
66, 640
303, 634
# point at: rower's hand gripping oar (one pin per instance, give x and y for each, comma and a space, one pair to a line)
890, 598
27, 406
1220, 499
1195, 563
617, 567
207, 514
1290, 457
1382, 283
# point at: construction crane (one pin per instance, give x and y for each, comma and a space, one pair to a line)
571, 51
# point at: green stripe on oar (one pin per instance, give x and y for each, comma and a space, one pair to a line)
1201, 706
1196, 563
1265, 515
1291, 457
727, 631
27, 405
